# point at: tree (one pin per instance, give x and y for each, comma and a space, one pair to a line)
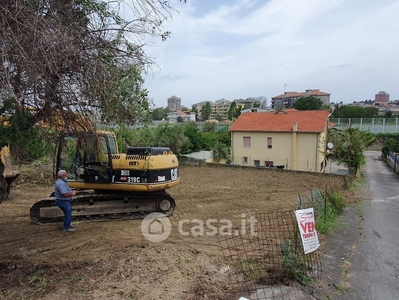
349, 146
195, 110
224, 136
160, 113
171, 136
179, 119
206, 111
220, 152
308, 103
234, 111
209, 127
77, 57
142, 137
371, 112
352, 111
391, 145
263, 102
389, 115
219, 117
196, 141
247, 105
230, 112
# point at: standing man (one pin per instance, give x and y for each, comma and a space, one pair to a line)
63, 197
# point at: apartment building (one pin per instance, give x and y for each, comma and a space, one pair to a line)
289, 98
174, 103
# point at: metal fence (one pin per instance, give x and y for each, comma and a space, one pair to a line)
271, 264
393, 161
373, 125
313, 199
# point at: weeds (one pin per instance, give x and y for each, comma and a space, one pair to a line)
77, 278
296, 265
253, 269
326, 221
336, 202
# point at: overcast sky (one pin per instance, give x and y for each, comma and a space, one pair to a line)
247, 48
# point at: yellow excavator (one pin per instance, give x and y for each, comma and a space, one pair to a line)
110, 184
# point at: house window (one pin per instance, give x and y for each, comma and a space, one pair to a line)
247, 142
269, 143
257, 163
268, 163
245, 160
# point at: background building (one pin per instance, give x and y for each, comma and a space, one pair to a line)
248, 103
186, 116
220, 108
174, 103
289, 98
381, 98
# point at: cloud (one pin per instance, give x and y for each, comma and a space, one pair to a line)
244, 48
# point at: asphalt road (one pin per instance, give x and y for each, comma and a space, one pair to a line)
374, 271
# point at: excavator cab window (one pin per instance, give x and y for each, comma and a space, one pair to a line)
86, 158
113, 147
67, 152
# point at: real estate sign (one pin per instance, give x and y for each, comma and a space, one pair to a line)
307, 228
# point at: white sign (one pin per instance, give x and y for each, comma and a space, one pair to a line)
307, 228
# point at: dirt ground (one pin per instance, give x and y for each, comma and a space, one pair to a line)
113, 260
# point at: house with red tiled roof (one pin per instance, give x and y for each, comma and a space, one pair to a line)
289, 98
290, 139
186, 115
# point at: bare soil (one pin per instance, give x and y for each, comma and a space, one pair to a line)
113, 260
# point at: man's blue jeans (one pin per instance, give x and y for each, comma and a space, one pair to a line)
66, 207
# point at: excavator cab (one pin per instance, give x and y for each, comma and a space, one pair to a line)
87, 157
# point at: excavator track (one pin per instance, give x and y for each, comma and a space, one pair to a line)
103, 205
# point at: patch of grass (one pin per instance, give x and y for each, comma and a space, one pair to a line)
47, 249
356, 184
359, 212
77, 278
328, 220
359, 225
339, 288
38, 284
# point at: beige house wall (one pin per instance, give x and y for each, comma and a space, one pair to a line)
293, 150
